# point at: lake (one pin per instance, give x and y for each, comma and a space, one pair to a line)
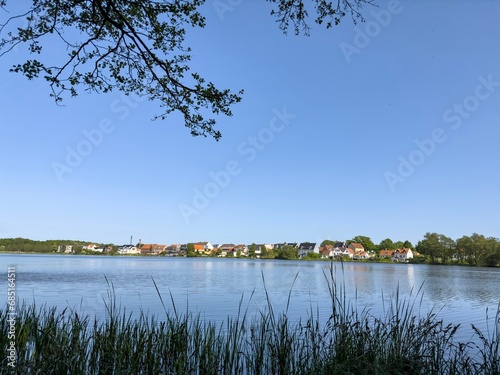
215, 287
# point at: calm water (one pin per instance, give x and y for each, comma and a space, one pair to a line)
215, 287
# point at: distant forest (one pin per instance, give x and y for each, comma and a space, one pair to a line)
24, 245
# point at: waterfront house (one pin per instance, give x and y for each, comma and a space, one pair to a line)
242, 249
227, 249
359, 255
326, 251
340, 245
66, 249
207, 246
356, 247
147, 248
278, 246
340, 250
93, 247
152, 249
173, 250
402, 255
200, 249
386, 253
128, 250
159, 248
306, 248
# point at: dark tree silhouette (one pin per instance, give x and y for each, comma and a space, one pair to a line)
138, 46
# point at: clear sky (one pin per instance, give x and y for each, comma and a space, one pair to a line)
386, 129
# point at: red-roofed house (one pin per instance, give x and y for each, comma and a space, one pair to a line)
147, 248
360, 255
326, 251
402, 255
356, 247
386, 253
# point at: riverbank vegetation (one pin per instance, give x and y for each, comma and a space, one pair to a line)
402, 341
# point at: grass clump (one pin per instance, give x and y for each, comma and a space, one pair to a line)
49, 341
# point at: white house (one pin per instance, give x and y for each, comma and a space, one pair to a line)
206, 245
128, 250
402, 255
360, 255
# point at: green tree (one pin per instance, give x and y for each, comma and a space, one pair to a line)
437, 247
398, 244
492, 257
288, 252
251, 250
139, 47
479, 248
365, 241
448, 247
408, 245
329, 242
465, 250
190, 252
386, 244
312, 256
264, 253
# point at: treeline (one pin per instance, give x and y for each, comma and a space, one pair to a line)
474, 250
436, 248
25, 245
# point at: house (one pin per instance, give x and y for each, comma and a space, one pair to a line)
277, 246
402, 255
359, 255
128, 250
93, 247
66, 249
199, 248
147, 248
340, 245
227, 249
326, 251
206, 245
152, 249
173, 250
306, 248
386, 253
356, 247
242, 249
258, 251
159, 248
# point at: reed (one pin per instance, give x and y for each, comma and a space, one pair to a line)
401, 341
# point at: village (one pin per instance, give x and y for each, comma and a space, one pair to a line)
341, 250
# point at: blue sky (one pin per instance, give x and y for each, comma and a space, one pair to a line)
387, 129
